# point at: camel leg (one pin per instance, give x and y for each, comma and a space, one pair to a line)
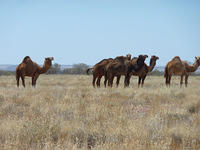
181, 82
110, 80
35, 79
143, 80
17, 78
186, 80
105, 80
94, 79
169, 80
98, 81
111, 83
127, 81
118, 79
23, 80
32, 81
139, 81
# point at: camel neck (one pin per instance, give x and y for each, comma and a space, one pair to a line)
44, 68
151, 66
193, 68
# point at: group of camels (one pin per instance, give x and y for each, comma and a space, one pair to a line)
110, 68
124, 65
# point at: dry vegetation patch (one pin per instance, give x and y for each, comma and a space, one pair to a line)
66, 112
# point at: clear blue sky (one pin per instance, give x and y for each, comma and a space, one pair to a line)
86, 31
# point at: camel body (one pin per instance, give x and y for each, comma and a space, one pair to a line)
99, 69
31, 69
181, 68
142, 73
122, 67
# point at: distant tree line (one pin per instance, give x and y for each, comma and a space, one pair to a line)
6, 73
81, 69
75, 69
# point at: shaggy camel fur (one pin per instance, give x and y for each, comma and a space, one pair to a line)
99, 69
123, 67
143, 71
31, 69
178, 67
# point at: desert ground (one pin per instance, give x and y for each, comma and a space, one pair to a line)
66, 112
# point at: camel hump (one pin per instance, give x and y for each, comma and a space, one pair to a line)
177, 58
25, 60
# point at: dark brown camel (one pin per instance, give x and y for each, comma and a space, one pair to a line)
99, 69
144, 70
123, 67
31, 69
178, 67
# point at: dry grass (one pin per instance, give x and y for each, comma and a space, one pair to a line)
66, 112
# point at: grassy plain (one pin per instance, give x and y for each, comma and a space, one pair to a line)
66, 112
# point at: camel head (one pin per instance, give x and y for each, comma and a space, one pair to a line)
197, 60
128, 56
48, 61
145, 56
153, 59
141, 59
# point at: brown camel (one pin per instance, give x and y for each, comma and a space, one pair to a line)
99, 69
143, 71
123, 67
118, 59
31, 69
178, 67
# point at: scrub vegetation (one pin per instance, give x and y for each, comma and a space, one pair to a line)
66, 112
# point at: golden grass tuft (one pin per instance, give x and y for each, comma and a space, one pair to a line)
66, 112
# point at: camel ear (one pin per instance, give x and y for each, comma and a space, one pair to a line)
140, 56
196, 57
52, 58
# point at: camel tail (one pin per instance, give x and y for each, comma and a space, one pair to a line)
18, 74
166, 72
87, 71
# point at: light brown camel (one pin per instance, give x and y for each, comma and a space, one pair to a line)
178, 67
99, 69
143, 71
123, 67
31, 69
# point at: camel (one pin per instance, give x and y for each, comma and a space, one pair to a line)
178, 67
144, 70
123, 67
31, 69
99, 69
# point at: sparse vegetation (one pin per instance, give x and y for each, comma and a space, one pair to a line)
66, 112
76, 69
6, 73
